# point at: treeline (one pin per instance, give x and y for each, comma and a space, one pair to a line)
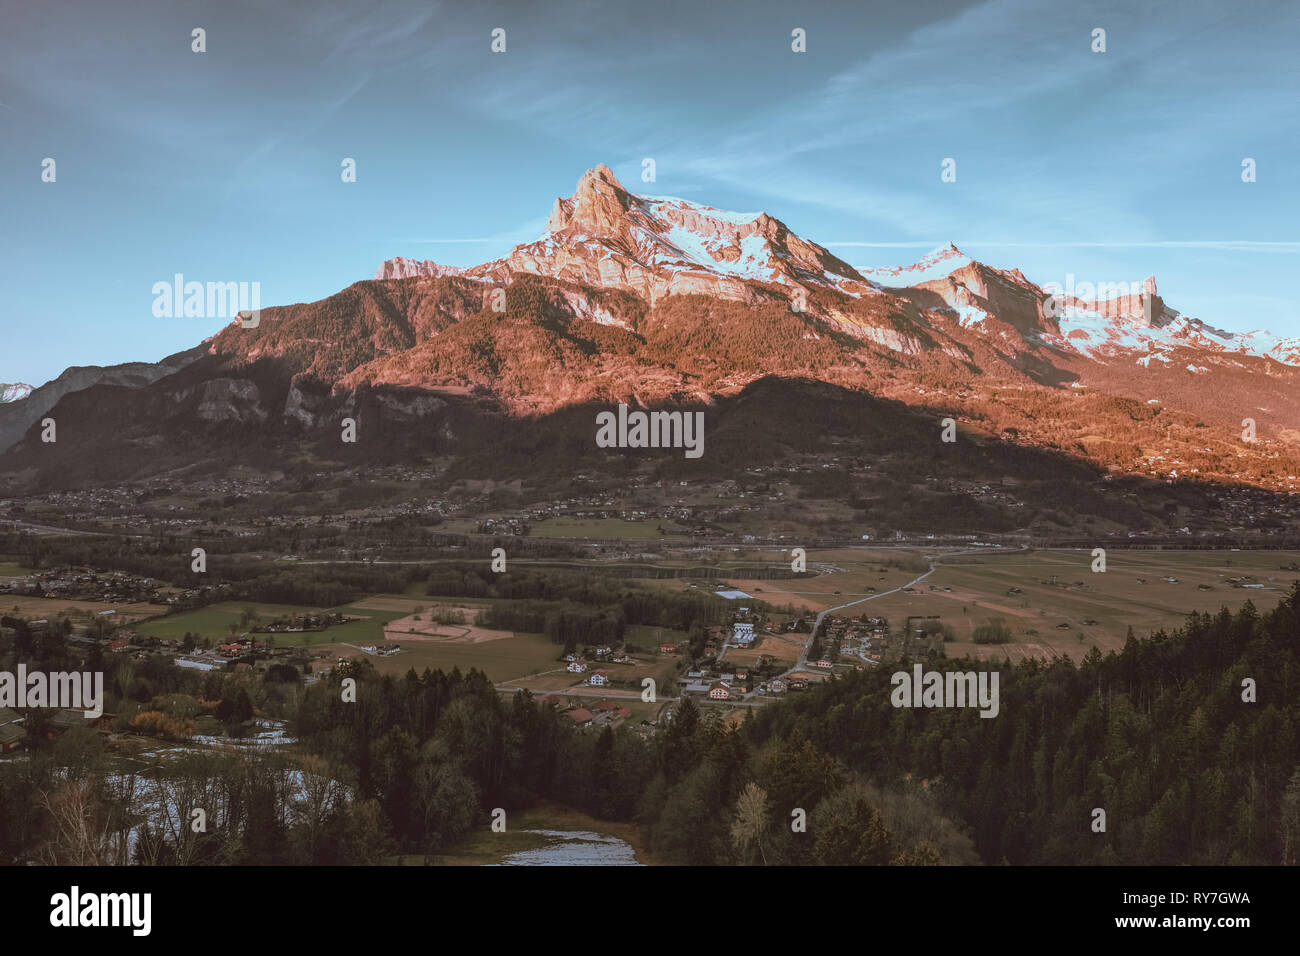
552, 587
562, 622
436, 752
1158, 736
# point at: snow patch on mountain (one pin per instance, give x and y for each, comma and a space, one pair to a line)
1098, 335
14, 393
937, 264
654, 203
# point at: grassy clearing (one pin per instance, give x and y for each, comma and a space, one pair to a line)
37, 608
518, 656
1058, 588
216, 621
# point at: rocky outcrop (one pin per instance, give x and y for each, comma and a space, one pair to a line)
230, 399
400, 267
17, 417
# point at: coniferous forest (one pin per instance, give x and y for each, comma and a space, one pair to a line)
1187, 741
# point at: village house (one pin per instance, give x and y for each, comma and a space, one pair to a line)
777, 686
598, 679
667, 648
12, 730
576, 667
719, 691
580, 716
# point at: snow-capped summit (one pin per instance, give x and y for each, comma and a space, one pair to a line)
14, 393
937, 264
603, 235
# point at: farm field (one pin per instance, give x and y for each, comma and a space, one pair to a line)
516, 656
650, 637
37, 608
603, 528
782, 647
856, 574
628, 677
1059, 588
216, 620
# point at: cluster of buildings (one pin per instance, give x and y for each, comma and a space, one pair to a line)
866, 639
13, 726
605, 713
715, 684
85, 584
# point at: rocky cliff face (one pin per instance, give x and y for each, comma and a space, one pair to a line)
652, 299
17, 417
400, 267
607, 237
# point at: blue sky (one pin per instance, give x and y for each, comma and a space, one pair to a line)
224, 166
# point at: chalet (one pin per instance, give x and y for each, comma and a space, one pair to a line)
66, 718
777, 686
598, 679
580, 716
119, 646
576, 667
11, 737
825, 663
667, 648
12, 730
719, 691
798, 683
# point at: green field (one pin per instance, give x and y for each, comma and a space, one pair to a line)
502, 660
216, 620
650, 637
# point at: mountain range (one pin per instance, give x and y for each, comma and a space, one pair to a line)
658, 301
